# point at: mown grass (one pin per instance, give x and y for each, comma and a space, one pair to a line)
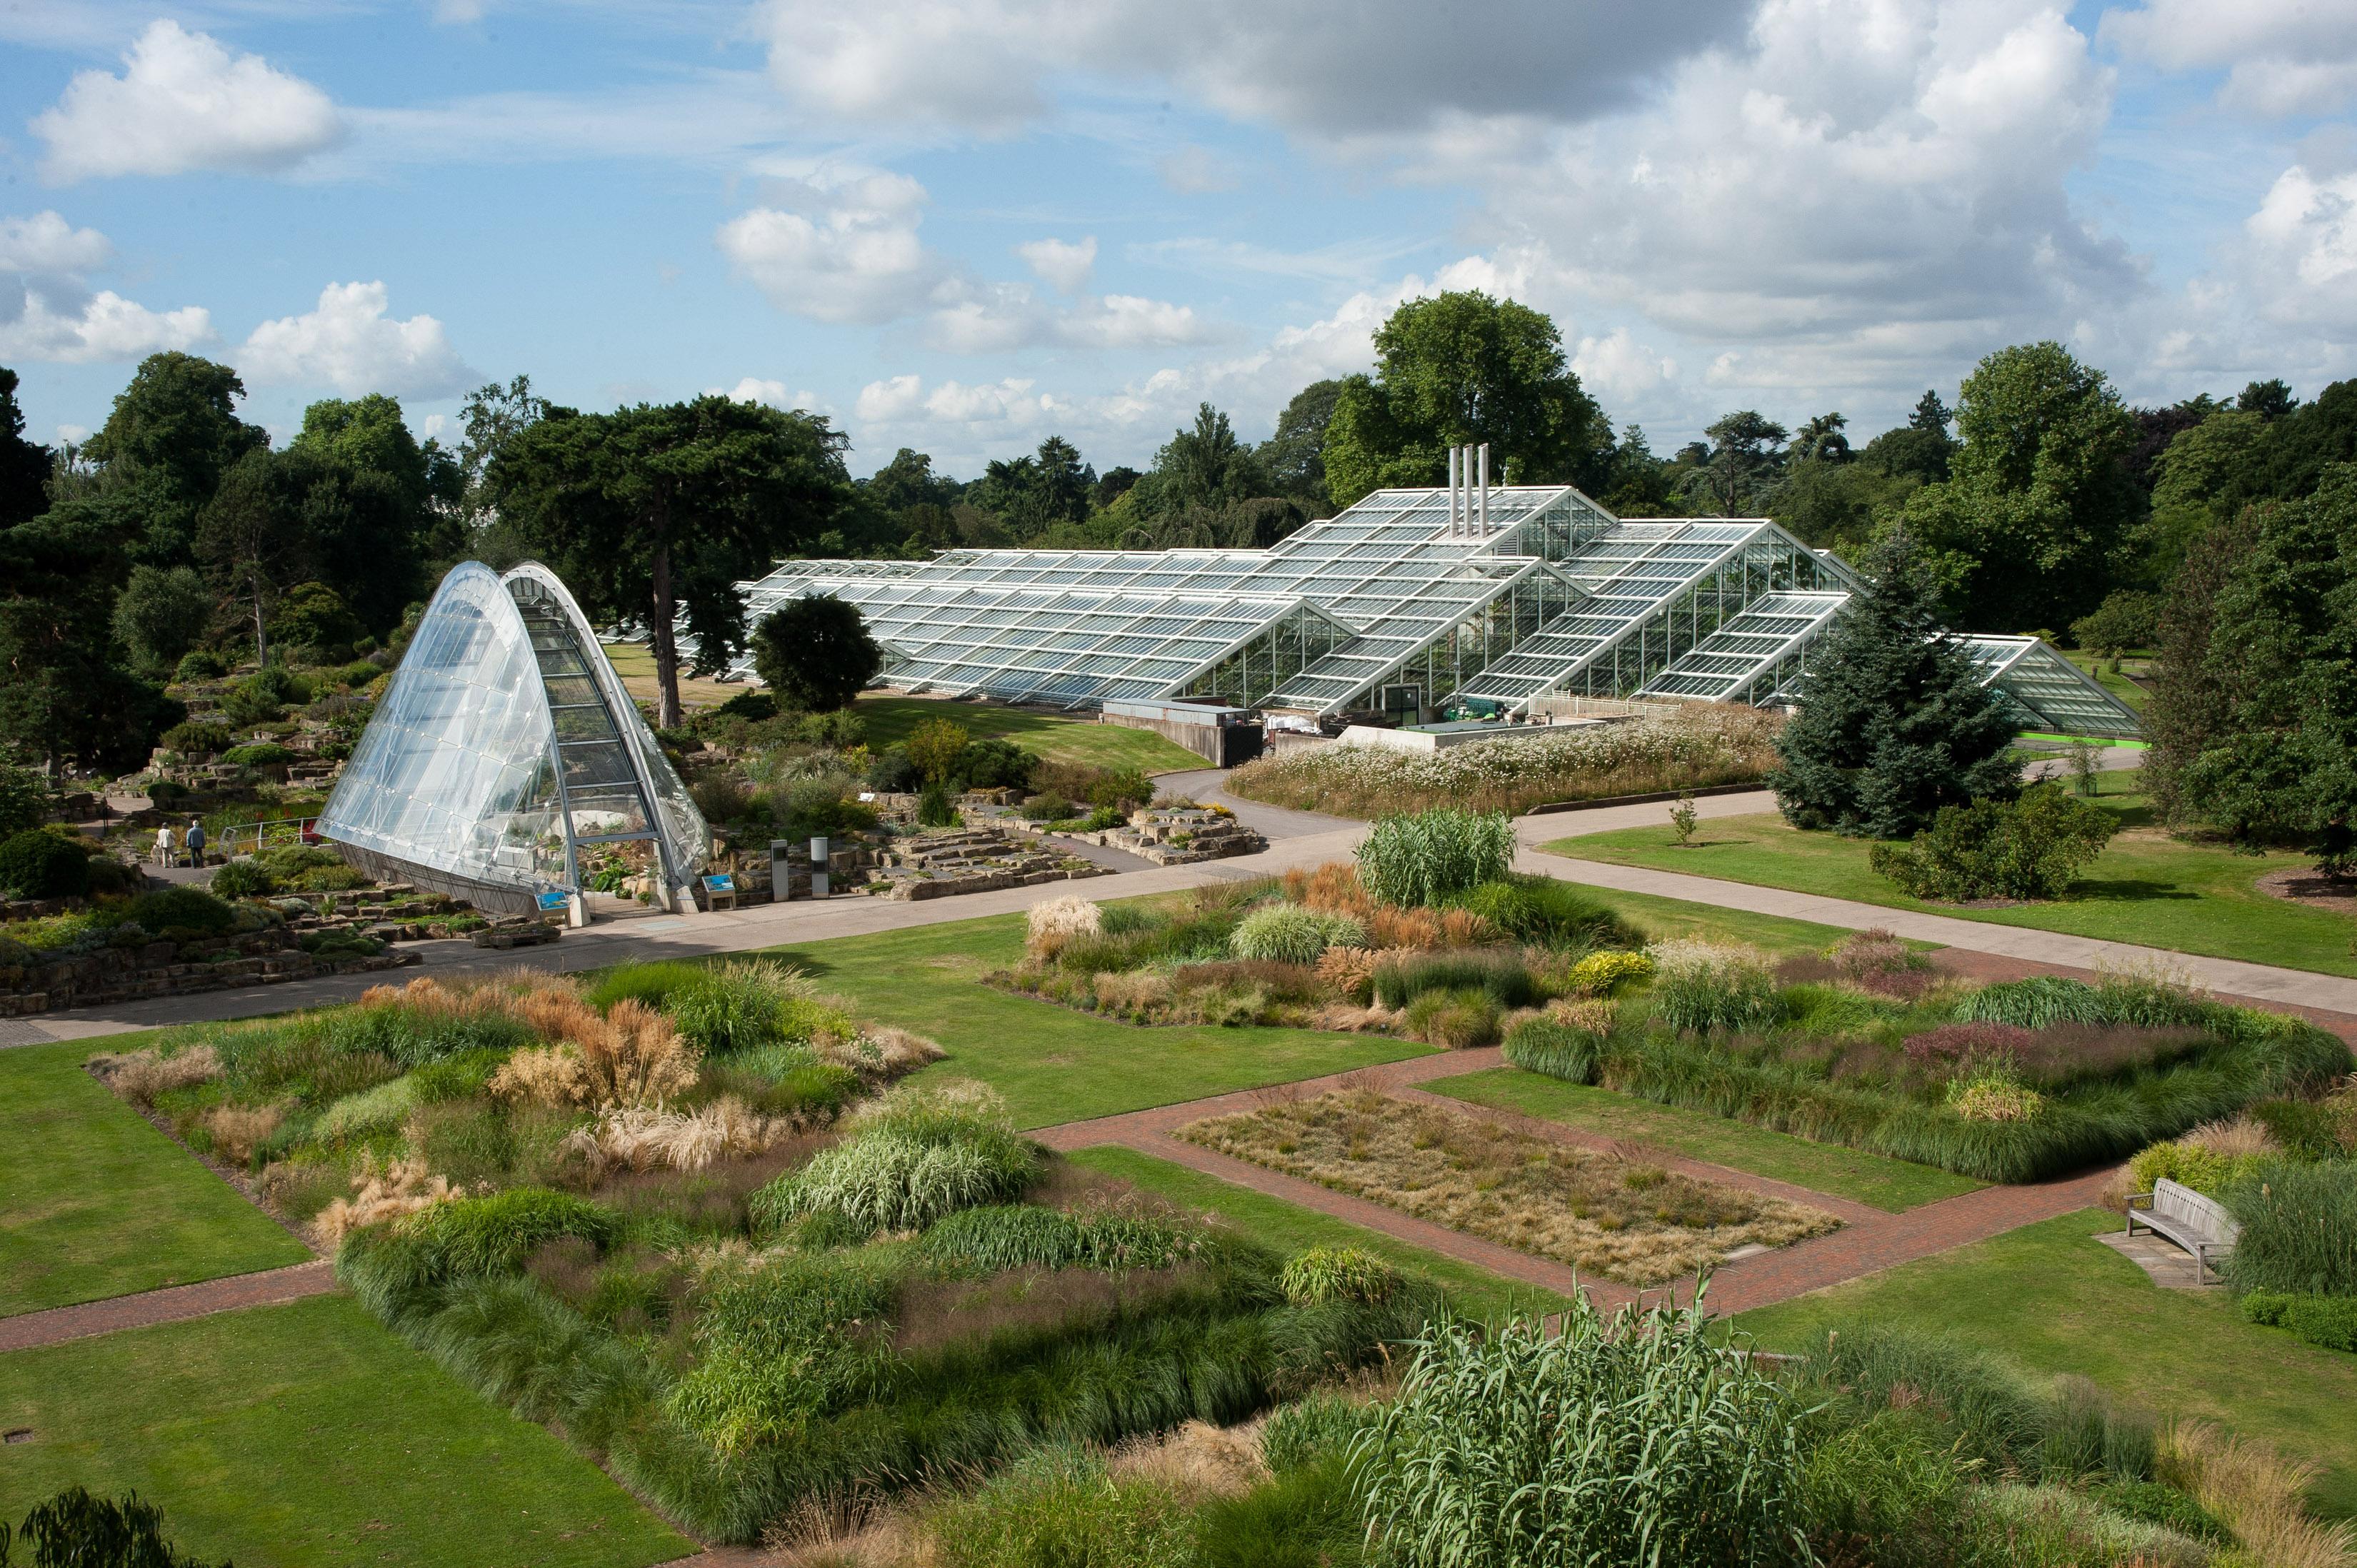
1664, 918
1288, 1228
306, 1434
2052, 1299
2145, 888
1056, 1064
1893, 1186
634, 662
1059, 740
94, 1202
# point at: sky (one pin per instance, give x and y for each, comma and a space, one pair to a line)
965, 226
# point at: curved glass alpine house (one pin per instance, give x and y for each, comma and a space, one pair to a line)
1406, 602
505, 755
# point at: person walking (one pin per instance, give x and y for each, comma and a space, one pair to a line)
164, 845
197, 843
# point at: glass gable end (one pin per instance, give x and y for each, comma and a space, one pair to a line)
505, 742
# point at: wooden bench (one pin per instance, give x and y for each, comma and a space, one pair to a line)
2199, 1225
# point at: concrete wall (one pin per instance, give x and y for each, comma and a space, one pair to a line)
1222, 746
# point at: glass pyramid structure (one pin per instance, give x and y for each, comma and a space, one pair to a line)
1404, 603
503, 748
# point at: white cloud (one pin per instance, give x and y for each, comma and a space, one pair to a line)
996, 406
984, 319
1060, 264
49, 311
1616, 368
184, 102
2302, 261
848, 253
347, 342
2281, 57
762, 389
1377, 69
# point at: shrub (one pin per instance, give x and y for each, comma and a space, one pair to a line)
2028, 848
24, 800
721, 796
1550, 913
2298, 1231
1995, 1094
2327, 1320
494, 1235
1602, 973
776, 1345
2206, 1170
1047, 809
241, 879
1704, 986
935, 809
39, 863
893, 773
169, 909
993, 764
378, 1110
1625, 1439
197, 737
77, 1529
1424, 857
1458, 1019
1316, 1276
200, 664
261, 754
1287, 933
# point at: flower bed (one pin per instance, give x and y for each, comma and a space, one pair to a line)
1701, 745
1625, 1219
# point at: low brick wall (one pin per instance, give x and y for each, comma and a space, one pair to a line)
168, 969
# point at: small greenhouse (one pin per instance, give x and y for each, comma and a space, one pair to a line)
505, 764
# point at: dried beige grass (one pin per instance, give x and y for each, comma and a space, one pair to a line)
238, 1130
903, 1050
544, 1074
1197, 1462
1132, 991
401, 1188
1348, 971
1638, 1224
2255, 1492
2232, 1136
632, 1054
1592, 1015
642, 1138
1057, 921
140, 1076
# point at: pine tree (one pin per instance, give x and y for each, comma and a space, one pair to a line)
1894, 722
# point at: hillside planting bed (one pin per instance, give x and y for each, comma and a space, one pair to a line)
1626, 1219
689, 1217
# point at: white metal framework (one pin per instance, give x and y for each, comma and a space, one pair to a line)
1409, 599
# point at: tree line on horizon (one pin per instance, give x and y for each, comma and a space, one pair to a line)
2040, 500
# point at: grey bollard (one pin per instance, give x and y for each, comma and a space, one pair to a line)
818, 865
781, 870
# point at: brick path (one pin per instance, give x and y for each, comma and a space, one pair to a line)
173, 1304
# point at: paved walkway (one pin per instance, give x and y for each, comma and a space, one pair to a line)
269, 1288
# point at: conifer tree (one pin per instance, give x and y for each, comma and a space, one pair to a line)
1894, 722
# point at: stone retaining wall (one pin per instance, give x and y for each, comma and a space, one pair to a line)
168, 969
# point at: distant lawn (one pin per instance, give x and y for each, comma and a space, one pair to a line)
1288, 1228
1057, 740
2145, 888
635, 663
2051, 1299
1887, 1184
94, 1202
306, 1434
1056, 1064
2119, 686
1663, 918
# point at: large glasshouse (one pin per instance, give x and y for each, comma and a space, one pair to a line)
505, 758
1410, 601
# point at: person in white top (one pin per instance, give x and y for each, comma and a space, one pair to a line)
163, 845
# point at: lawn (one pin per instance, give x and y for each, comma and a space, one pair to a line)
1056, 1063
1663, 918
2146, 888
635, 663
1287, 1228
305, 1434
2119, 686
2051, 1299
94, 1202
1057, 740
1895, 1185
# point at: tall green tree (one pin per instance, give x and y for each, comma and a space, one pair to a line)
173, 433
2205, 476
2193, 700
251, 538
1746, 458
1294, 458
1823, 439
1639, 483
24, 465
816, 652
1465, 367
66, 697
1202, 466
2283, 644
160, 616
657, 511
2037, 504
1920, 449
1894, 722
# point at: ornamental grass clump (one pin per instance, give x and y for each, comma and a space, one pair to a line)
2298, 1229
1287, 933
1602, 974
915, 1156
1627, 1439
1547, 913
1316, 1276
1704, 986
1052, 926
1424, 857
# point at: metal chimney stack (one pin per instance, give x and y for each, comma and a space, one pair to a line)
1454, 455
1484, 461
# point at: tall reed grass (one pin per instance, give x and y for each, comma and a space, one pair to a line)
1426, 857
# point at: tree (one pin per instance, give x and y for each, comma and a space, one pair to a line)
1034, 495
2037, 501
2269, 400
1464, 368
160, 616
2208, 474
2193, 700
314, 617
815, 653
1821, 440
24, 465
1921, 448
65, 696
1201, 465
173, 432
657, 511
1637, 484
1838, 506
1744, 461
250, 539
935, 745
492, 414
1294, 457
2128, 617
1894, 722
2284, 771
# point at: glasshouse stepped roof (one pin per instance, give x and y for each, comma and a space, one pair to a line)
1406, 600
504, 748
